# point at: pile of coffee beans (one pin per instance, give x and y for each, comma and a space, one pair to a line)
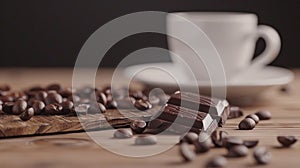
251, 120
56, 100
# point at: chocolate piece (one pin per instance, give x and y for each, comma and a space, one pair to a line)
217, 108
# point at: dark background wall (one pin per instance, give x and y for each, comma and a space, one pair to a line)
50, 33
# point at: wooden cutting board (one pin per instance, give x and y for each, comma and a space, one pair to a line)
12, 125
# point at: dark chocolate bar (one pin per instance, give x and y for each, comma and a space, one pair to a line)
189, 111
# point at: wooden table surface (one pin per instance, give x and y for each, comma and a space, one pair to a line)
78, 150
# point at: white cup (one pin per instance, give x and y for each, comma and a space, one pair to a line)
234, 36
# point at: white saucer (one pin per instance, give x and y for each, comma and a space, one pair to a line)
250, 86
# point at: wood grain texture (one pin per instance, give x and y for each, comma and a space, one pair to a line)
78, 150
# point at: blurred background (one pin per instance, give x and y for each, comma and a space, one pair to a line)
50, 33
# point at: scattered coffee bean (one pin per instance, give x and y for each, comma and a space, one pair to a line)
235, 112
229, 142
264, 115
203, 144
190, 137
287, 141
36, 88
38, 107
218, 161
262, 155
254, 117
142, 105
187, 154
7, 107
4, 87
53, 97
41, 95
138, 126
27, 115
102, 98
53, 109
7, 98
217, 137
250, 144
67, 106
123, 133
54, 86
247, 124
65, 93
19, 107
238, 151
145, 139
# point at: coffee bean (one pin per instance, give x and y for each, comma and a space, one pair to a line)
186, 153
53, 97
36, 88
229, 142
67, 106
264, 115
247, 124
19, 107
82, 109
218, 161
254, 117
27, 115
190, 137
74, 98
250, 144
65, 93
142, 105
146, 139
235, 112
7, 107
38, 107
4, 87
262, 155
54, 86
112, 104
53, 109
203, 144
287, 141
7, 98
41, 95
102, 98
138, 126
238, 151
123, 134
217, 137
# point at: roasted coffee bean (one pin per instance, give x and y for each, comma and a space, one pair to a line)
142, 105
54, 86
7, 107
82, 109
190, 137
287, 141
145, 139
254, 117
102, 98
112, 104
229, 142
264, 115
65, 93
53, 97
235, 112
96, 108
250, 144
27, 115
36, 88
186, 153
217, 137
123, 133
74, 98
19, 107
238, 151
247, 124
38, 107
138, 126
218, 161
4, 88
203, 144
19, 95
126, 103
67, 106
53, 109
41, 95
262, 155
7, 98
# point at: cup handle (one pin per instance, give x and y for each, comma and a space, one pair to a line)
273, 44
